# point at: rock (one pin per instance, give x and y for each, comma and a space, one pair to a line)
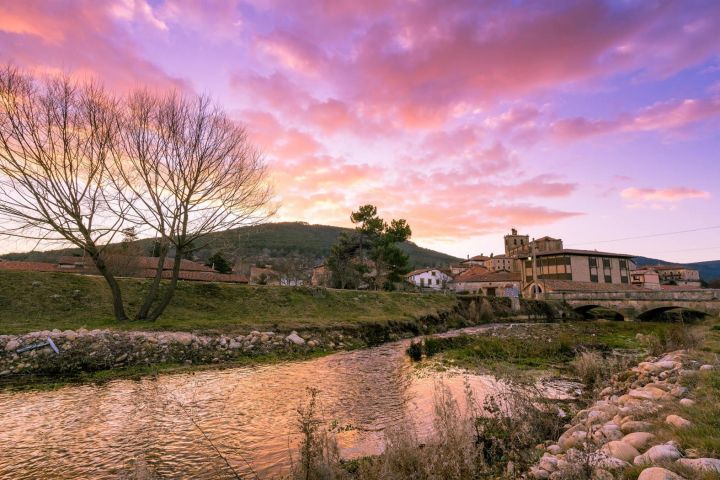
701, 465
679, 391
677, 421
12, 345
647, 393
121, 358
657, 473
635, 426
666, 452
620, 450
313, 343
639, 440
704, 368
539, 473
686, 402
548, 463
234, 345
601, 474
554, 449
657, 367
295, 338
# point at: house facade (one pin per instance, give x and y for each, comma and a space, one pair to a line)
677, 275
645, 277
500, 283
585, 266
499, 262
432, 278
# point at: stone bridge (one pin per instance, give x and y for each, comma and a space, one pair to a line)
640, 305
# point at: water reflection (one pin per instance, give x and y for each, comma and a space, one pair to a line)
249, 413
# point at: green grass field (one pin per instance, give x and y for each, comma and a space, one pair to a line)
31, 301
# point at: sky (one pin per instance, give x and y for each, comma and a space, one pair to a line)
597, 122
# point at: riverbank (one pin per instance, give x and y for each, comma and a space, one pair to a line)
639, 404
35, 301
656, 421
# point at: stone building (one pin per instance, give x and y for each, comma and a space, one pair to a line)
499, 262
677, 275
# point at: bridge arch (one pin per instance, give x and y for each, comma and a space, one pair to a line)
671, 313
585, 311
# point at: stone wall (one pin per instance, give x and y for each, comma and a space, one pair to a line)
95, 350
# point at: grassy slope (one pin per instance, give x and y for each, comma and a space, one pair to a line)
67, 301
271, 241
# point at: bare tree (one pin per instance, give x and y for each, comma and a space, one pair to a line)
55, 138
186, 170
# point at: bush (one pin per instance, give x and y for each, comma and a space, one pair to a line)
414, 351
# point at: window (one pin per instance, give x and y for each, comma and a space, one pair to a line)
623, 279
623, 264
437, 281
593, 262
422, 282
608, 278
594, 278
432, 273
606, 263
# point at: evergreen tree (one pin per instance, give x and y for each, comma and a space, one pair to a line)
219, 263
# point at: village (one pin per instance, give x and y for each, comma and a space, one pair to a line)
527, 268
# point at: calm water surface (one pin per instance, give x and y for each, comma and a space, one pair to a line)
107, 431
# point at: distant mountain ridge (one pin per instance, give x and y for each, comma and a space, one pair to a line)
709, 270
265, 244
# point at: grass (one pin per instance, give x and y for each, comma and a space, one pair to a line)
545, 345
31, 301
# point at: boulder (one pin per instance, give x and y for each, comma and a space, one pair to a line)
12, 345
679, 391
677, 421
657, 473
539, 473
635, 426
701, 465
666, 452
686, 402
554, 449
706, 367
639, 440
295, 338
620, 450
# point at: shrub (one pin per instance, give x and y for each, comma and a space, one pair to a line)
414, 351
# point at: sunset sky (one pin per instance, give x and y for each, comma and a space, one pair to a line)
585, 120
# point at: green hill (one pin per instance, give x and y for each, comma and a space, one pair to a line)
267, 243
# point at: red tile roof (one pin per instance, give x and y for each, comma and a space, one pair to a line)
27, 266
472, 274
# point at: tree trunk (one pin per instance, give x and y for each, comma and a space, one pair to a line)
118, 307
167, 297
152, 293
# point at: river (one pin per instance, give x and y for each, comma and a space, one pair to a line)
249, 413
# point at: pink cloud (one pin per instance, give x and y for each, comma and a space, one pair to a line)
82, 38
674, 194
669, 115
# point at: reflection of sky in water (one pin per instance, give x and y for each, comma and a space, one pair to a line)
249, 413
